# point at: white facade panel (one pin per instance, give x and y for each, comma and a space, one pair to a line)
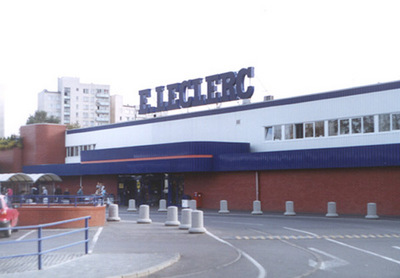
249, 126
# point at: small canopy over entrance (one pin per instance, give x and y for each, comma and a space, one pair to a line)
21, 184
15, 177
45, 177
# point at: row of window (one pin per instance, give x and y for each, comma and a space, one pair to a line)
76, 150
335, 127
67, 91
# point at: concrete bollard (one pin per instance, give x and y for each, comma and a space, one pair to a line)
186, 222
144, 215
193, 204
162, 206
132, 205
197, 223
331, 210
371, 211
113, 213
172, 217
289, 209
223, 204
256, 208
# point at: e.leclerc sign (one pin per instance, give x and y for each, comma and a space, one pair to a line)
232, 88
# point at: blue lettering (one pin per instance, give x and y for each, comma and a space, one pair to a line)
228, 86
198, 98
249, 72
173, 103
143, 106
184, 100
161, 105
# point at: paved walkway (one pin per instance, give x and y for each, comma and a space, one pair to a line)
88, 266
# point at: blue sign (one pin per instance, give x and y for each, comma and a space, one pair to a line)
231, 84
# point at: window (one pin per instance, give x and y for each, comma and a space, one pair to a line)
277, 132
268, 133
288, 132
85, 91
344, 126
333, 127
356, 125
320, 129
368, 122
299, 130
309, 130
396, 121
384, 122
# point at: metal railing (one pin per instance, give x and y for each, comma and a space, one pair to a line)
40, 238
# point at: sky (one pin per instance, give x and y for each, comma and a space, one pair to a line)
296, 47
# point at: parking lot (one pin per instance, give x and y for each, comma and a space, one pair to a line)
243, 245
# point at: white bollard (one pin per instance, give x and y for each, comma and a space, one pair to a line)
162, 205
331, 210
371, 211
289, 209
144, 215
256, 208
172, 217
223, 204
193, 204
186, 222
132, 205
113, 213
197, 223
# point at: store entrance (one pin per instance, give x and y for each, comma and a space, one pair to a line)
148, 189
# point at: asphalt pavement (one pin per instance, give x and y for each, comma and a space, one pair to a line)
123, 249
235, 245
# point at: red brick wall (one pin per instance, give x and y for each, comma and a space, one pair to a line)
310, 190
38, 214
237, 188
43, 144
11, 161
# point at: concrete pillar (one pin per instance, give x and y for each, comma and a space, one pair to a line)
144, 215
113, 213
193, 204
197, 223
172, 217
186, 221
371, 211
223, 204
289, 209
256, 208
132, 205
162, 205
331, 210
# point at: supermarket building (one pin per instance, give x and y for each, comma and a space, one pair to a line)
341, 146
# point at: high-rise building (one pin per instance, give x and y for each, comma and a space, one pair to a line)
121, 112
74, 102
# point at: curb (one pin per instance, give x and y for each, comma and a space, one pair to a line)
151, 270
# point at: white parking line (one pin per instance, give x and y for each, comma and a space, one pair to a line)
364, 251
301, 231
95, 239
25, 235
396, 247
327, 265
349, 246
262, 273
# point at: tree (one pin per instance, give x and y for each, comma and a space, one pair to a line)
73, 126
41, 117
